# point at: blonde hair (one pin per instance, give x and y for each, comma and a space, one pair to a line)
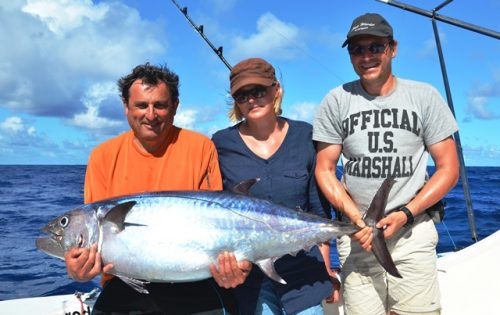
235, 114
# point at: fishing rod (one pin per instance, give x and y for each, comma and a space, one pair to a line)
434, 16
218, 51
199, 29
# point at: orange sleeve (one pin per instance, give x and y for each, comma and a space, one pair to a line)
213, 179
96, 181
93, 180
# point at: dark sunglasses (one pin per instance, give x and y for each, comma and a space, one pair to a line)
258, 91
359, 50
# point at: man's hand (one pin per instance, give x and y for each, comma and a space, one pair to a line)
83, 264
392, 223
364, 236
230, 273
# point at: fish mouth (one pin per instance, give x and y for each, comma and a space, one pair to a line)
50, 246
53, 241
57, 237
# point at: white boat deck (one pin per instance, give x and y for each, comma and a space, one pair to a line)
48, 305
469, 279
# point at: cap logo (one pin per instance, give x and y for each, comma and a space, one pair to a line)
362, 26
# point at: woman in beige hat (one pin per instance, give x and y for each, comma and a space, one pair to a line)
279, 151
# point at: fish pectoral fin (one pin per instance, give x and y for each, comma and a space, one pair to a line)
267, 267
118, 213
136, 284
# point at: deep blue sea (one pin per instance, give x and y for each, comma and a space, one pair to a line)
30, 196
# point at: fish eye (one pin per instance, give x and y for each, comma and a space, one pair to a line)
64, 222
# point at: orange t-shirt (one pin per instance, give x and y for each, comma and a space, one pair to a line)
118, 167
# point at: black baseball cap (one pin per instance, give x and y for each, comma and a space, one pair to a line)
369, 24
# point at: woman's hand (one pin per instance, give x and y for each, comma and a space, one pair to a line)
230, 273
334, 277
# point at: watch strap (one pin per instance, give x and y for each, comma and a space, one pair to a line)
409, 216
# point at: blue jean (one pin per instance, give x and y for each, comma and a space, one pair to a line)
269, 303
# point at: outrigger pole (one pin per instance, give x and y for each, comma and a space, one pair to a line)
434, 16
199, 29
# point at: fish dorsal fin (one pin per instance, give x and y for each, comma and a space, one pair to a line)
267, 267
244, 186
376, 210
118, 213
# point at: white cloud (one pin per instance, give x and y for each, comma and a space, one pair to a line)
65, 15
301, 111
16, 126
477, 106
61, 47
185, 118
20, 143
91, 120
31, 131
12, 125
428, 49
274, 38
94, 98
18, 133
222, 6
480, 102
99, 92
482, 155
17, 92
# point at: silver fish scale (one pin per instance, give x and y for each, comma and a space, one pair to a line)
186, 232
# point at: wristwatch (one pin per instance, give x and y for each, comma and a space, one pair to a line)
409, 216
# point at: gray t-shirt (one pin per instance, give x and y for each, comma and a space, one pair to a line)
383, 136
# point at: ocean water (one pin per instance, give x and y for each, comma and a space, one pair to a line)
30, 196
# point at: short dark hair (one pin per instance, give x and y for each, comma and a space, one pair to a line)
150, 74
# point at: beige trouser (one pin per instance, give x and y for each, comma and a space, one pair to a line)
368, 289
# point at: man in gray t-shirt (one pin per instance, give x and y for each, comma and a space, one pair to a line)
385, 126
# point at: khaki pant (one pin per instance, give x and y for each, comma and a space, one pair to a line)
368, 289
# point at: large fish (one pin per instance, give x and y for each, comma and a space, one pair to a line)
176, 236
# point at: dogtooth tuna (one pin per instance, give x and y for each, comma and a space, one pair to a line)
175, 236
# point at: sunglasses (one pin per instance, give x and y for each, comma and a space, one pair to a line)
359, 50
257, 92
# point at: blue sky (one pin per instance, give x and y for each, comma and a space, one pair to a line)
60, 60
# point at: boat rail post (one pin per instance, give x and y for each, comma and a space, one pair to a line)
463, 172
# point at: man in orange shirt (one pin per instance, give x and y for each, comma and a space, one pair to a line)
154, 155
